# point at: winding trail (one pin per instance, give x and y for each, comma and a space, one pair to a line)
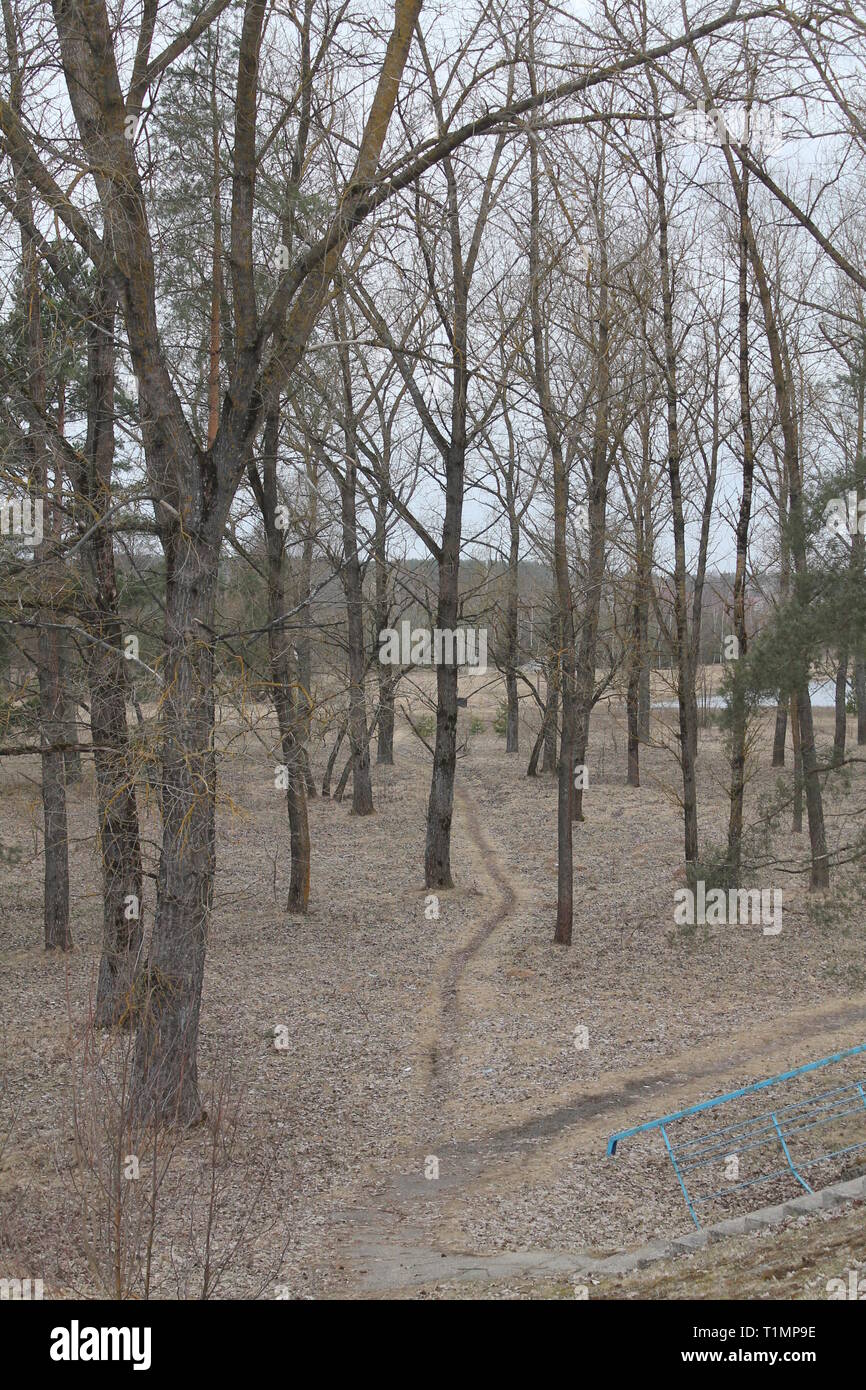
446, 1009
382, 1250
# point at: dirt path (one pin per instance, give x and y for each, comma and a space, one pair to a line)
383, 1248
441, 1013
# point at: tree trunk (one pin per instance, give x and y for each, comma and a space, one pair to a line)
362, 788
512, 722
841, 728
385, 735
359, 738
597, 532
332, 758
820, 877
440, 805
548, 731
797, 815
784, 586
644, 699
632, 699
165, 1068
119, 837
72, 751
860, 690
550, 762
780, 734
304, 642
685, 673
282, 686
532, 768
738, 701
565, 606
58, 935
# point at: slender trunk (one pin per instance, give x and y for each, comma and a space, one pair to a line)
685, 673
784, 587
600, 469
216, 287
644, 700
119, 836
58, 935
344, 777
512, 723
548, 731
858, 551
565, 870
738, 702
550, 762
860, 690
72, 751
565, 608
282, 685
362, 788
329, 770
632, 699
797, 817
811, 779
780, 733
440, 805
359, 738
841, 710
385, 735
532, 768
304, 642
452, 451
638, 665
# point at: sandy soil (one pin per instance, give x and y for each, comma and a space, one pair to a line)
417, 1044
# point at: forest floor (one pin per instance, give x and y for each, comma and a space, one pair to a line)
399, 1080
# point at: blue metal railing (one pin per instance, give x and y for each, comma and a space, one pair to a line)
779, 1126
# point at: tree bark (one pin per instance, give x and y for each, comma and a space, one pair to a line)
685, 673
332, 758
841, 698
779, 734
72, 753
738, 703
282, 685
119, 836
860, 690
600, 469
512, 721
385, 734
797, 813
52, 713
565, 791
632, 699
550, 761
165, 1078
351, 576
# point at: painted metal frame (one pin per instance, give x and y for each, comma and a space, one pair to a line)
783, 1124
